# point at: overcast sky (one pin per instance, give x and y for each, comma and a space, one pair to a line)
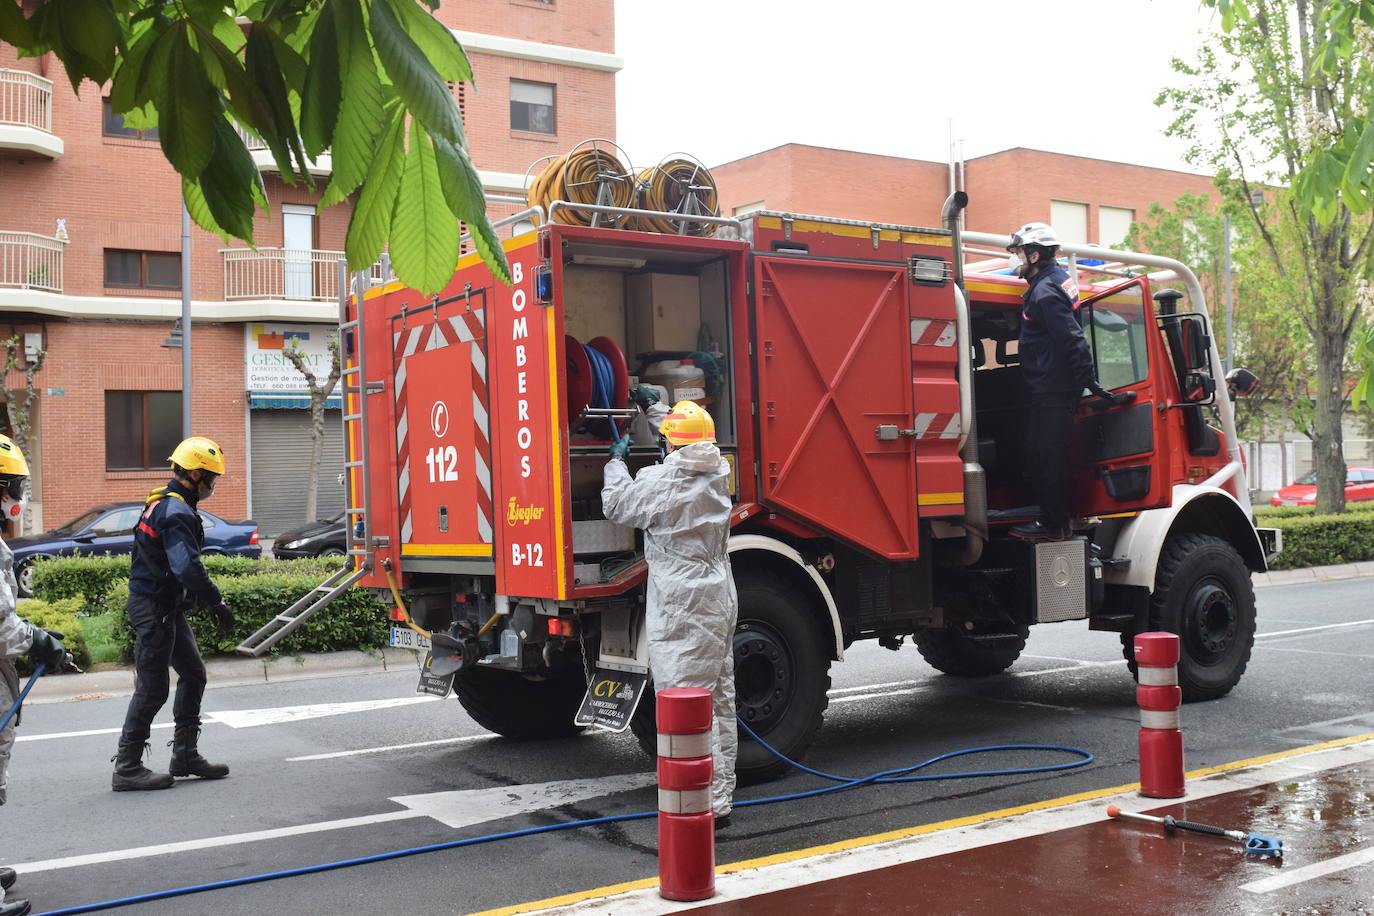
723, 79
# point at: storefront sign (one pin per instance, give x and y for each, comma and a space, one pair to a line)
268, 370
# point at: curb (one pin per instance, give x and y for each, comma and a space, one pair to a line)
1315, 574
231, 672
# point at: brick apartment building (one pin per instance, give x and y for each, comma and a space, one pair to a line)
90, 241
1086, 200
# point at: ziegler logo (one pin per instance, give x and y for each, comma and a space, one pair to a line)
518, 513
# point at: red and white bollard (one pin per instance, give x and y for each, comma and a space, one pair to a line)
686, 823
1159, 697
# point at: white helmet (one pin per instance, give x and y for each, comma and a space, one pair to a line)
1041, 234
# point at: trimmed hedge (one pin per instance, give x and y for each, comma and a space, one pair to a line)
354, 620
93, 578
1321, 540
60, 616
1270, 512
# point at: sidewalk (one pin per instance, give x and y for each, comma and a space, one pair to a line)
237, 672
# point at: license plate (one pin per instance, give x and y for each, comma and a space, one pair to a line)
406, 638
611, 699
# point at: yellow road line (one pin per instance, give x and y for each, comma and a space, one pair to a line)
888, 836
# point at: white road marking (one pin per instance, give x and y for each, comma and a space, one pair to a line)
390, 747
453, 809
1308, 872
869, 696
841, 691
83, 734
1010, 702
1300, 630
248, 718
465, 807
1313, 652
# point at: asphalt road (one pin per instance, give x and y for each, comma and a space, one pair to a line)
318, 766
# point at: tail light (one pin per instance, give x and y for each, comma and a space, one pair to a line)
253, 538
397, 615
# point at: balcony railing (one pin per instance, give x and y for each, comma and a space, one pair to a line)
31, 261
25, 100
287, 273
250, 141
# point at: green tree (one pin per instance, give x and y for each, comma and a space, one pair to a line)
365, 79
1268, 105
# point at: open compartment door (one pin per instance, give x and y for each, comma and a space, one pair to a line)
833, 357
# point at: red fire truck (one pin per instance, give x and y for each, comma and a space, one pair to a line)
865, 389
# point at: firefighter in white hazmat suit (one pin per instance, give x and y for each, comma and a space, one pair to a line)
683, 507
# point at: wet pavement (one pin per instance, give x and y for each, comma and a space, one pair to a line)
1067, 856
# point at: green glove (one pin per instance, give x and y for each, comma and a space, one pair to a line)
620, 448
48, 649
644, 397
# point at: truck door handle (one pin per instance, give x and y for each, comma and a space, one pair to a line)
889, 432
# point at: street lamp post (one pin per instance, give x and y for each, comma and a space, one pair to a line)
185, 321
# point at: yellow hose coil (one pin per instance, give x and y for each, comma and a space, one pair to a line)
676, 186
587, 175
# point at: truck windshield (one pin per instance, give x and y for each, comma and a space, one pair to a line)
1117, 335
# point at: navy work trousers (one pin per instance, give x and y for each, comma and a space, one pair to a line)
164, 639
1051, 431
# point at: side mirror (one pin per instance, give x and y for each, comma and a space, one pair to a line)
1197, 345
1199, 387
1241, 381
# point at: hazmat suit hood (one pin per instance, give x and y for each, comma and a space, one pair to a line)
701, 457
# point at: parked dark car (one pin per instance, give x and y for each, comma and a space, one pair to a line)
109, 529
321, 538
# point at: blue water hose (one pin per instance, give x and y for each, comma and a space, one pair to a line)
844, 782
38, 670
603, 384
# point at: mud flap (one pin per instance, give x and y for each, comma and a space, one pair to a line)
442, 662
612, 698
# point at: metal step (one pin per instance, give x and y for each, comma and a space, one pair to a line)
281, 626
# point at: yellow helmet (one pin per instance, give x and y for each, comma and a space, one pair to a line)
198, 452
687, 423
12, 461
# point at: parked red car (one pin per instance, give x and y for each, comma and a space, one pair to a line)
1359, 487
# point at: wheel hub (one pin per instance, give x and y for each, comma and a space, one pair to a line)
1212, 618
764, 676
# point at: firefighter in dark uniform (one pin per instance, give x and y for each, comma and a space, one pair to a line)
165, 580
1057, 366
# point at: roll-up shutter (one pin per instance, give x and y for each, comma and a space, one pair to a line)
281, 462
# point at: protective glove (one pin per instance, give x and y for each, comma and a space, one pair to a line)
47, 648
644, 397
1107, 398
620, 448
223, 616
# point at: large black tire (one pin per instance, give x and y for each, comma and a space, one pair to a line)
954, 652
517, 707
782, 677
1204, 594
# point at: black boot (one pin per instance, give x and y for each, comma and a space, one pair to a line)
7, 877
15, 907
186, 760
131, 774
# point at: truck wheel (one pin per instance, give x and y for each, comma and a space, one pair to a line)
1204, 594
782, 676
954, 652
515, 706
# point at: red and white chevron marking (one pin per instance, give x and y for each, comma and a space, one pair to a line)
932, 332
937, 426
469, 328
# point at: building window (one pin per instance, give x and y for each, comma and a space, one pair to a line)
1070, 221
531, 107
113, 126
1113, 223
142, 269
141, 429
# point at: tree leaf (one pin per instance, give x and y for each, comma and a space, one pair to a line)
124, 85
200, 210
367, 229
1357, 168
424, 93
465, 197
187, 108
261, 63
231, 183
424, 231
14, 28
361, 107
320, 101
434, 39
